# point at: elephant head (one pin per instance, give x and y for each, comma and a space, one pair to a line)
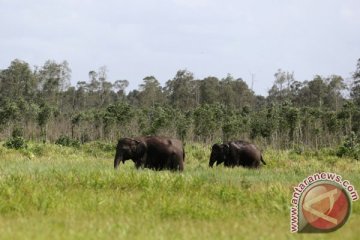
128, 148
219, 154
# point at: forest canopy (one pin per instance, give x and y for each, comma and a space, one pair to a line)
39, 103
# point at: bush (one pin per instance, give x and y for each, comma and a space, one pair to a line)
350, 147
67, 141
16, 143
102, 146
17, 132
38, 149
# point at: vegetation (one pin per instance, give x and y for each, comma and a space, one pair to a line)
316, 113
69, 190
67, 141
350, 147
50, 191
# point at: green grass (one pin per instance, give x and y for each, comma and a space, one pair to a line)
48, 191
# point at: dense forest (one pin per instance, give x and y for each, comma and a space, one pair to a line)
39, 103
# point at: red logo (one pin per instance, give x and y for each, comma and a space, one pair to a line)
325, 207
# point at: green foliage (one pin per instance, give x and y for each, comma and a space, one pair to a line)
66, 141
355, 90
151, 92
9, 111
155, 119
350, 147
207, 120
312, 113
119, 112
101, 146
234, 123
210, 90
44, 114
262, 125
16, 143
17, 132
182, 123
182, 90
38, 150
18, 81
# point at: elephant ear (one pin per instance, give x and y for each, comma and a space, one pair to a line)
216, 147
226, 148
140, 149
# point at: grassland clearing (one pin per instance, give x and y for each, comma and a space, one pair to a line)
49, 191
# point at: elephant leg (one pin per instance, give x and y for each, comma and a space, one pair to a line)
175, 162
142, 161
138, 164
181, 165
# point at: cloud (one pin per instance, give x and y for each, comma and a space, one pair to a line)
350, 14
209, 37
193, 3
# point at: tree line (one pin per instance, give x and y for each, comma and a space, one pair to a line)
39, 103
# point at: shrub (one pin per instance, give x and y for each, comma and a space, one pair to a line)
99, 149
17, 132
16, 143
66, 141
38, 149
102, 146
350, 147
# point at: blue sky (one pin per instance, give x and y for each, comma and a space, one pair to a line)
136, 38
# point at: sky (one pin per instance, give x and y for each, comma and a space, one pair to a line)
249, 39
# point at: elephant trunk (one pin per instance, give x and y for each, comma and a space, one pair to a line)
262, 160
211, 162
118, 158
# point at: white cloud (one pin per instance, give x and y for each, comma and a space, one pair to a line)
209, 37
193, 3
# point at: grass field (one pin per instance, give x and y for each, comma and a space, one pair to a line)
53, 192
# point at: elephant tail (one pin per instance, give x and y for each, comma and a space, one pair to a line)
262, 160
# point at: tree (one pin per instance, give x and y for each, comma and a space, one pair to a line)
133, 97
155, 119
355, 89
9, 112
243, 95
120, 86
235, 93
118, 114
317, 90
18, 81
281, 90
333, 99
227, 92
181, 91
94, 82
234, 124
209, 90
105, 86
207, 121
151, 92
54, 78
43, 119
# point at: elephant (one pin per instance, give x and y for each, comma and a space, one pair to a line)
236, 153
152, 152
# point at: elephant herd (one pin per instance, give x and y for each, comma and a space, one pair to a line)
160, 153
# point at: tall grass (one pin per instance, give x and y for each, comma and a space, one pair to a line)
49, 191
